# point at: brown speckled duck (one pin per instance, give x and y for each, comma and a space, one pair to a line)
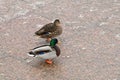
50, 30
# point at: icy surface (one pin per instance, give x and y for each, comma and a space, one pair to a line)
90, 43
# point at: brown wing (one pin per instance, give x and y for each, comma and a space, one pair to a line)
45, 29
49, 27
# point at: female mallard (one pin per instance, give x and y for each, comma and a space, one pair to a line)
50, 30
47, 52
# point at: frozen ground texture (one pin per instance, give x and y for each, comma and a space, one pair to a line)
90, 41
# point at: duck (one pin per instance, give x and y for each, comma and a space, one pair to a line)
46, 52
50, 30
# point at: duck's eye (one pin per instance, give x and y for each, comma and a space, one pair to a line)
56, 41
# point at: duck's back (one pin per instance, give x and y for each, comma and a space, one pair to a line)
49, 27
46, 28
49, 31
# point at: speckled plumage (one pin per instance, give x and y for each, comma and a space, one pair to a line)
50, 30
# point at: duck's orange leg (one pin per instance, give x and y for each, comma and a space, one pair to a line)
48, 61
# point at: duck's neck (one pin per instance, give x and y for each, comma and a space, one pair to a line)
52, 45
57, 49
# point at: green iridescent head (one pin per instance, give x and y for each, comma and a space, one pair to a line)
53, 42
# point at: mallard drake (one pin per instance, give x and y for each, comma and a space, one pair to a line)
50, 30
47, 52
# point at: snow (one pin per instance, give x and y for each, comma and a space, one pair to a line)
117, 36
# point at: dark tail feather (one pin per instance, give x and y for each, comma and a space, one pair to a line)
37, 33
31, 53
